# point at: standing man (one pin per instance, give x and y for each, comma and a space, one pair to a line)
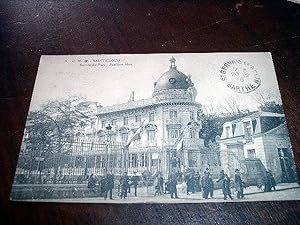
134, 181
110, 179
92, 183
188, 180
103, 185
197, 182
161, 183
124, 183
222, 179
211, 186
227, 187
173, 185
268, 185
273, 182
205, 184
239, 184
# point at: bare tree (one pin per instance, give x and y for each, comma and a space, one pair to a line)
262, 97
232, 105
211, 108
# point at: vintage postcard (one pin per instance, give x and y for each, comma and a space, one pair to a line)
156, 128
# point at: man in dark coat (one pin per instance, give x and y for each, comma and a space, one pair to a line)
197, 182
110, 179
273, 182
134, 181
239, 184
205, 184
157, 184
173, 185
189, 182
211, 186
92, 183
221, 179
227, 187
161, 183
124, 183
269, 182
103, 186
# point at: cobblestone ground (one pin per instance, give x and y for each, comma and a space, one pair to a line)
290, 191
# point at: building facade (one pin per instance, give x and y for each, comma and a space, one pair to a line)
171, 111
257, 143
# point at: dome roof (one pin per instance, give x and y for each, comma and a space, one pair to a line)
173, 79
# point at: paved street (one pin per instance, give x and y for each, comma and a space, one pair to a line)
289, 191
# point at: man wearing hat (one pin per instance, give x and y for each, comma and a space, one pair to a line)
134, 182
239, 184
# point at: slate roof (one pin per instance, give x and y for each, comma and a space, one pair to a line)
258, 114
126, 106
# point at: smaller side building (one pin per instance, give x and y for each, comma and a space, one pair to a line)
256, 143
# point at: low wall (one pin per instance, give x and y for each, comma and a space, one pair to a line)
58, 191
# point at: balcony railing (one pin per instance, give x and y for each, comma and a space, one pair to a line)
173, 121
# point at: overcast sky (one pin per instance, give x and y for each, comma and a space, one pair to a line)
62, 76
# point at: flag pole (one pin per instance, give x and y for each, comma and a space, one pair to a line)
126, 148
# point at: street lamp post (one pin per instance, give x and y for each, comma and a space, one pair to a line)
39, 159
108, 129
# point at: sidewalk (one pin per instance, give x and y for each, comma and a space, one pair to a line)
286, 191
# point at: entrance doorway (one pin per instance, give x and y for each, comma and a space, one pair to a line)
287, 165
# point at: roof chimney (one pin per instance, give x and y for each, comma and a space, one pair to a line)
132, 96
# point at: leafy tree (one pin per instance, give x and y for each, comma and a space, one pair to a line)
55, 124
212, 126
272, 107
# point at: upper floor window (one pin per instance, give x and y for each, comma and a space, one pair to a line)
125, 120
101, 138
114, 122
124, 137
103, 123
151, 117
151, 136
247, 128
112, 138
138, 118
227, 132
192, 116
173, 133
173, 114
192, 133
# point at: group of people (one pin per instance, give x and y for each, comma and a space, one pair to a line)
226, 185
106, 184
194, 183
125, 184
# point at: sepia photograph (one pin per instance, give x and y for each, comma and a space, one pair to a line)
156, 128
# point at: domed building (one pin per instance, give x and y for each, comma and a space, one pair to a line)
168, 127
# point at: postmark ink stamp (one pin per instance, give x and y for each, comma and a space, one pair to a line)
240, 76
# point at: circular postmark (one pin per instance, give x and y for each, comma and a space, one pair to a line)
240, 76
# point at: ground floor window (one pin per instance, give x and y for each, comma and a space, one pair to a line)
133, 160
251, 153
192, 159
144, 160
